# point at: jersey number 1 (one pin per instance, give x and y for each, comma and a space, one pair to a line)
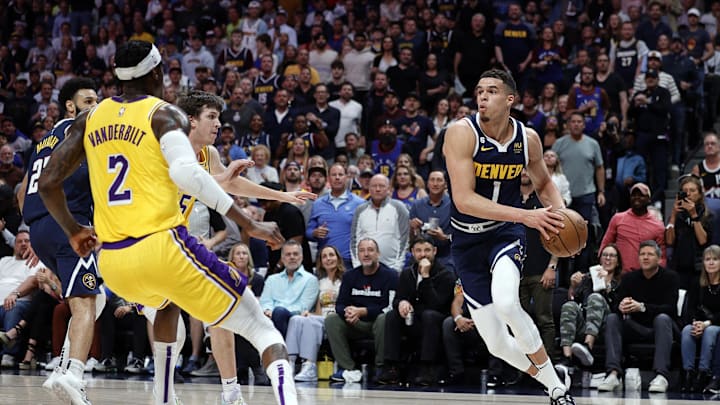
117, 194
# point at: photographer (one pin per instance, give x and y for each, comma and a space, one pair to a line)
612, 149
689, 232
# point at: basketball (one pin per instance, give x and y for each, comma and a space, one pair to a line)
571, 239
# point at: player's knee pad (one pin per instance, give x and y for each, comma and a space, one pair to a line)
249, 322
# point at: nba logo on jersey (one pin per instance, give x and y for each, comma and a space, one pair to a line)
121, 111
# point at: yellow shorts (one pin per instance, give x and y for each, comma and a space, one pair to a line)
171, 266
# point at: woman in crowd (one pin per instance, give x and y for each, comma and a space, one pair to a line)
261, 171
548, 100
387, 58
689, 231
241, 259
555, 168
590, 301
441, 116
405, 186
705, 326
548, 59
305, 331
434, 83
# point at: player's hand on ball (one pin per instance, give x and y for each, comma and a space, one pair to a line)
269, 232
84, 240
545, 221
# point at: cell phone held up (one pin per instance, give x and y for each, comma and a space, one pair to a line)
681, 195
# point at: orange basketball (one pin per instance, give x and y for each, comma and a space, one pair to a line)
571, 239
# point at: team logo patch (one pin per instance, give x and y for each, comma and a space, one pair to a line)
89, 281
518, 147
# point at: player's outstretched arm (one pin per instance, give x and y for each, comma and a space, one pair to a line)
65, 159
170, 125
240, 186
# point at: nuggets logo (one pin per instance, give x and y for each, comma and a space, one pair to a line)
497, 171
89, 281
518, 147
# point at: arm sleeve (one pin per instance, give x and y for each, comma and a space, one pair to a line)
216, 221
189, 176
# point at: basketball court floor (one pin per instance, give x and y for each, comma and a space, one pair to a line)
26, 388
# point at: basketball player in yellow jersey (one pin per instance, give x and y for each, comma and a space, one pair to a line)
139, 156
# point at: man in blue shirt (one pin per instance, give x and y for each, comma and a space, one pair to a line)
332, 214
431, 215
290, 292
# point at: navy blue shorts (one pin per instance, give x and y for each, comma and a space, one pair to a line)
79, 276
476, 254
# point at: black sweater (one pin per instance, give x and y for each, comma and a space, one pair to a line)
434, 292
659, 294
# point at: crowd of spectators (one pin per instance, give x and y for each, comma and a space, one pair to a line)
350, 100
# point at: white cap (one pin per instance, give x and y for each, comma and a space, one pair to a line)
694, 11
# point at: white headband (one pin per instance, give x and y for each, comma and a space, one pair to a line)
141, 69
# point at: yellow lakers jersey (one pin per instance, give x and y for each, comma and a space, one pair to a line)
186, 200
132, 191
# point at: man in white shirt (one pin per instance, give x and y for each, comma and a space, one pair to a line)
16, 284
350, 114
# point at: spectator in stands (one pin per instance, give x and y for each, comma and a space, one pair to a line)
548, 59
474, 53
18, 107
628, 56
266, 83
589, 100
405, 187
689, 232
424, 295
292, 226
704, 328
392, 214
255, 135
630, 228
650, 30
646, 311
364, 295
539, 274
314, 141
321, 56
303, 61
261, 171
324, 119
292, 291
240, 110
387, 57
17, 281
430, 216
650, 110
305, 332
195, 57
529, 114
556, 174
614, 87
707, 170
580, 156
514, 43
404, 77
298, 155
331, 219
278, 119
583, 317
9, 171
629, 168
351, 113
358, 64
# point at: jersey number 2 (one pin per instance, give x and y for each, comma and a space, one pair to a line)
37, 168
117, 194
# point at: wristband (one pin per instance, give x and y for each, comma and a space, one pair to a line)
458, 316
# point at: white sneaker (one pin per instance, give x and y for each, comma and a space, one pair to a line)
54, 363
71, 389
230, 401
352, 376
610, 383
49, 384
7, 361
308, 372
564, 375
658, 384
90, 364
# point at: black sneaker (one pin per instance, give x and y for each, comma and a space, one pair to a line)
425, 376
713, 387
452, 379
389, 376
702, 380
495, 381
564, 375
565, 399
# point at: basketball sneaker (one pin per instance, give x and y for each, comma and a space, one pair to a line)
50, 382
233, 398
71, 389
565, 399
